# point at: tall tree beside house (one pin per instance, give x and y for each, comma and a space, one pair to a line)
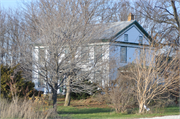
59, 33
53, 31
163, 21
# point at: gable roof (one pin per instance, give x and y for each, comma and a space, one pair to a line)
108, 31
112, 30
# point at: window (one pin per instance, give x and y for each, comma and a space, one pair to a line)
66, 52
41, 75
125, 37
40, 81
97, 53
98, 76
41, 56
85, 54
140, 39
41, 63
123, 54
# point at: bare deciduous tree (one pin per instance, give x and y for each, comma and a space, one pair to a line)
51, 39
153, 74
59, 33
164, 14
114, 11
2, 33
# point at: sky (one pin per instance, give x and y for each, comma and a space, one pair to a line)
13, 3
10, 3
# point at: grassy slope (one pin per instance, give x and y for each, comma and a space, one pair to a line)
89, 112
91, 109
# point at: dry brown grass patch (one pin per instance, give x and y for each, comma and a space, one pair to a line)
23, 109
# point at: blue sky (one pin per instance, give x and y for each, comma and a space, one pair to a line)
8, 3
11, 3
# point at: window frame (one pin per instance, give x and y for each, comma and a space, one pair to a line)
122, 59
85, 57
41, 58
41, 62
98, 56
126, 37
40, 80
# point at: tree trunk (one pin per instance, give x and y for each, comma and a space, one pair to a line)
68, 91
54, 97
141, 107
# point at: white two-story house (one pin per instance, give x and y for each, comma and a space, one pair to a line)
117, 45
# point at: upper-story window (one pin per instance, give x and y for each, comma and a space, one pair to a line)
85, 54
123, 54
125, 37
41, 56
140, 39
97, 53
41, 63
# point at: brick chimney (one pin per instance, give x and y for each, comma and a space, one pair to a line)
130, 17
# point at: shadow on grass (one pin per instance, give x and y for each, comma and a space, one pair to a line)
84, 110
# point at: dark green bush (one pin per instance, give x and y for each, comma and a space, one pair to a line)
12, 78
78, 96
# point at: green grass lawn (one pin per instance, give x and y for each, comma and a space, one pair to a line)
108, 113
